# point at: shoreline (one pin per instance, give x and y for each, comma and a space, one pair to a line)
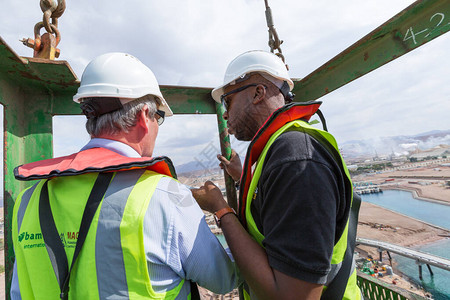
415, 193
418, 220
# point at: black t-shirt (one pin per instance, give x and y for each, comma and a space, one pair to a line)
300, 206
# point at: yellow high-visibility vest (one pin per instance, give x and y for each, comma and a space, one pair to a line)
112, 262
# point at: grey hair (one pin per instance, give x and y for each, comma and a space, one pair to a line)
121, 120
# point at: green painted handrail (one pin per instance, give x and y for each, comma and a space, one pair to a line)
373, 289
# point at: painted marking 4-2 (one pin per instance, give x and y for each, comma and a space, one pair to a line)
410, 34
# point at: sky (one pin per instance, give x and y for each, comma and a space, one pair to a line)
191, 42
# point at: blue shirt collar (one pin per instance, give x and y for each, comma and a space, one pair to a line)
116, 146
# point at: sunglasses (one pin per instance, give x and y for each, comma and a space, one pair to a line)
160, 116
226, 102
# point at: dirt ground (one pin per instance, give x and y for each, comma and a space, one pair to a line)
377, 223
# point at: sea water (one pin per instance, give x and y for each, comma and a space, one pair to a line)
433, 213
222, 240
403, 202
438, 284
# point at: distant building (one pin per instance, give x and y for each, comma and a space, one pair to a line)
352, 167
437, 152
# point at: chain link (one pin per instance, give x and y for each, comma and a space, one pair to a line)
45, 47
52, 9
37, 35
274, 40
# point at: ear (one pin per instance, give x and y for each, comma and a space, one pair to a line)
260, 94
143, 119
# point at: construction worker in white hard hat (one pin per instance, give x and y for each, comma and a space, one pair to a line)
111, 221
293, 237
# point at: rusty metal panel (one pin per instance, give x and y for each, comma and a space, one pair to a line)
418, 24
27, 91
36, 74
27, 137
8, 58
57, 74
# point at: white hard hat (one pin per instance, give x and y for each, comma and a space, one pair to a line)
255, 61
122, 76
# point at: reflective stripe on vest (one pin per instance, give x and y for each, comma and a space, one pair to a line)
352, 291
112, 262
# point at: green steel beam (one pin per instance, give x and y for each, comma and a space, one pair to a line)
189, 100
418, 24
27, 137
225, 147
35, 74
182, 100
28, 90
